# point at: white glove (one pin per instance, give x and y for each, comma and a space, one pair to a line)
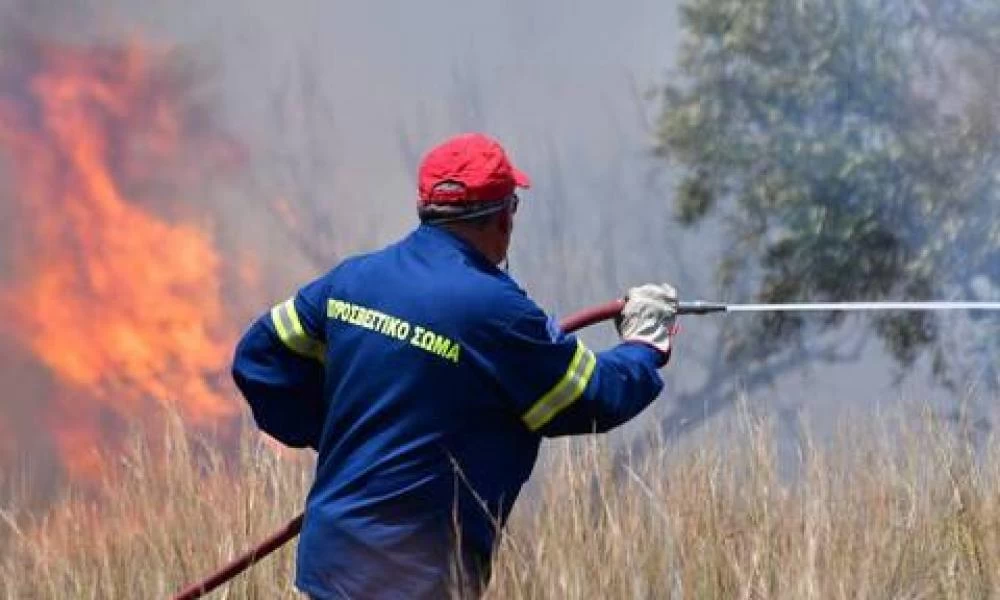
648, 316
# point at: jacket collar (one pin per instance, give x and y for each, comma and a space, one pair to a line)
440, 236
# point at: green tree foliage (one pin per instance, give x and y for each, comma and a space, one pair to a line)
851, 151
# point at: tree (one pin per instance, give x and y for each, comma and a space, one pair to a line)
850, 150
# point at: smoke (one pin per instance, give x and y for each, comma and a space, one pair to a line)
334, 102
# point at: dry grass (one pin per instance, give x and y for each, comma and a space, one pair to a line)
911, 514
162, 521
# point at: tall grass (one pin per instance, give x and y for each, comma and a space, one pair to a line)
880, 511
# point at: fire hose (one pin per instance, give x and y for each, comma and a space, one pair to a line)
574, 322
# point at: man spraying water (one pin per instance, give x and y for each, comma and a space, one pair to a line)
280, 367
426, 379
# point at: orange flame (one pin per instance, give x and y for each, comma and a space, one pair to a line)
125, 307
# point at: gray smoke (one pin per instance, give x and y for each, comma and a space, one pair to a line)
336, 100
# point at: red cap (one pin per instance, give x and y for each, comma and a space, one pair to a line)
469, 168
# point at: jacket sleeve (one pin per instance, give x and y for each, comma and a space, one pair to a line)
558, 386
278, 366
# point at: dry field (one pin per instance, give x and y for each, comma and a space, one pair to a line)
877, 511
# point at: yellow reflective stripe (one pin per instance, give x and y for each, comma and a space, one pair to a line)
292, 334
564, 393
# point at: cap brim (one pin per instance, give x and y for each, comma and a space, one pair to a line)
521, 179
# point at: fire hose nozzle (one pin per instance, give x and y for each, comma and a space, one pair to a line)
699, 307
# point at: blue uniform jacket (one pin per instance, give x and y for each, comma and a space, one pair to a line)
425, 378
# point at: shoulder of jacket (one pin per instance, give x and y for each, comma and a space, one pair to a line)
495, 299
352, 263
496, 287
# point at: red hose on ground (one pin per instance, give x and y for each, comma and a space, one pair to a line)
579, 320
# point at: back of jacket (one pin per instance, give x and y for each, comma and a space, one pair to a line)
425, 378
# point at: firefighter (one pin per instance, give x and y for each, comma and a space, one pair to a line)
425, 379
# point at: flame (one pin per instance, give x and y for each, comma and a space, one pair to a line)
123, 305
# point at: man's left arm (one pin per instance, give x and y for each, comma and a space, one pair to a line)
278, 366
558, 386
